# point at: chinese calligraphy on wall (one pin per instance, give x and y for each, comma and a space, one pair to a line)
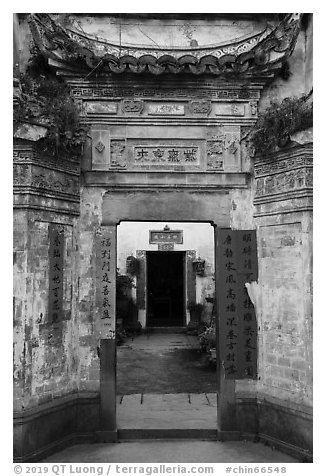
166, 236
163, 154
237, 261
106, 282
56, 250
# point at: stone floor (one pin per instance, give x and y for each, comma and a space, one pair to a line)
168, 411
152, 408
171, 451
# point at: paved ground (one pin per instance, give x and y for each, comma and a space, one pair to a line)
167, 411
175, 451
164, 363
165, 383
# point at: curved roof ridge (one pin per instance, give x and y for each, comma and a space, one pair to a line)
259, 54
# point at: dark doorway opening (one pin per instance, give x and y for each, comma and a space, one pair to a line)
165, 288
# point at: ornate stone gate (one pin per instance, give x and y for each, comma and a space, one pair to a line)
167, 142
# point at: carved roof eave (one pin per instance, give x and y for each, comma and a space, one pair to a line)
257, 57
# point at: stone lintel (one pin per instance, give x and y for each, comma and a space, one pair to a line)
166, 179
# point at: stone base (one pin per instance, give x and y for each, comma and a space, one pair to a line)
283, 425
286, 426
74, 419
228, 435
41, 431
107, 436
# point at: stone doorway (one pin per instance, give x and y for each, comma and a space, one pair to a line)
164, 382
165, 288
175, 205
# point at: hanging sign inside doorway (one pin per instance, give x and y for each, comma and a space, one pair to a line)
166, 236
106, 282
56, 250
237, 265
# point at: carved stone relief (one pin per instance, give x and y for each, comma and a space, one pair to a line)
100, 146
229, 109
101, 107
253, 108
45, 179
166, 109
200, 107
287, 181
232, 154
132, 106
118, 154
213, 93
215, 149
21, 175
50, 182
232, 145
281, 165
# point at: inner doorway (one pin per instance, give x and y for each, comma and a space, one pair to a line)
166, 375
165, 288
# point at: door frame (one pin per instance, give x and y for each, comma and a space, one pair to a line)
171, 205
184, 283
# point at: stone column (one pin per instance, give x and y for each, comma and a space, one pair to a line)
105, 324
227, 425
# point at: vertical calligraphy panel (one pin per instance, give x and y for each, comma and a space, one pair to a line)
228, 303
56, 250
237, 264
247, 271
106, 282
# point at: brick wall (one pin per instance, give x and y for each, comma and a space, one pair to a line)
285, 327
45, 353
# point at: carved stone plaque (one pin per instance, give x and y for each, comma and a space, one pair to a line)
166, 155
101, 107
229, 109
166, 109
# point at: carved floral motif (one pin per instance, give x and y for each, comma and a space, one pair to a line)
200, 107
215, 149
132, 105
118, 154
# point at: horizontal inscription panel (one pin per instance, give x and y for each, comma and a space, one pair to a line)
101, 107
166, 236
166, 109
229, 109
166, 155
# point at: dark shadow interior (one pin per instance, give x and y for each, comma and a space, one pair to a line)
165, 288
